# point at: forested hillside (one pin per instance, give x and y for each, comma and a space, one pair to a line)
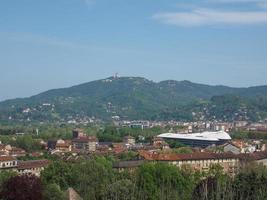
139, 98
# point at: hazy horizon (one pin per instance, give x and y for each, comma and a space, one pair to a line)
58, 43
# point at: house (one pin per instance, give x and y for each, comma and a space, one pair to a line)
129, 140
257, 157
158, 142
244, 146
228, 147
17, 152
36, 154
4, 149
59, 146
33, 167
11, 151
63, 145
8, 162
87, 143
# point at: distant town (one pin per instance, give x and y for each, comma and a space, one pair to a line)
90, 148
201, 139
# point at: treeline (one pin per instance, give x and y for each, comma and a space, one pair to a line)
249, 135
95, 179
105, 133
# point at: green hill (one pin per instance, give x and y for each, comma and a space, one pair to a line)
139, 98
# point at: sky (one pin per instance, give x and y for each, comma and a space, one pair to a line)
47, 44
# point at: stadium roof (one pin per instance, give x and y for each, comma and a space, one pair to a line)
205, 136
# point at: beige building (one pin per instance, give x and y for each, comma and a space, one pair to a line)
196, 161
85, 143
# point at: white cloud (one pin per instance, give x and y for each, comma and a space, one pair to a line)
199, 17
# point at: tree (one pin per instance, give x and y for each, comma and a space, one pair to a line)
28, 143
130, 155
92, 177
162, 181
24, 187
183, 150
121, 189
251, 184
59, 173
53, 192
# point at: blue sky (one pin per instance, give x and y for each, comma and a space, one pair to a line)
47, 44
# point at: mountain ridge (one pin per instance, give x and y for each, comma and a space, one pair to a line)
138, 98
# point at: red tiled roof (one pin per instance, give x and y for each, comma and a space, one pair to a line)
17, 150
33, 164
179, 157
253, 156
66, 145
7, 158
85, 139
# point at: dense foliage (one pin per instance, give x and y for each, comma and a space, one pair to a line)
94, 179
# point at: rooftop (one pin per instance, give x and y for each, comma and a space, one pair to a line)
7, 158
205, 136
147, 155
128, 164
32, 164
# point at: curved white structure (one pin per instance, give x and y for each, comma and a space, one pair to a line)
199, 139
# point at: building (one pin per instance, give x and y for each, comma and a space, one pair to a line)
8, 150
88, 143
4, 149
203, 139
158, 142
228, 147
129, 140
33, 167
78, 133
23, 167
118, 148
201, 161
257, 157
129, 165
63, 146
8, 162
17, 152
